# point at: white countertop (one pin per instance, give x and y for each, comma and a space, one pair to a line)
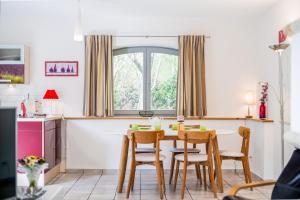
38, 119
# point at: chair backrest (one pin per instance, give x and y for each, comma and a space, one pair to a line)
198, 137
145, 137
194, 126
245, 133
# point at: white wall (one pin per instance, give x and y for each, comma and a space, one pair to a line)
268, 25
99, 142
96, 144
230, 64
237, 54
295, 83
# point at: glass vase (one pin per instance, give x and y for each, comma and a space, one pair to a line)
262, 111
33, 176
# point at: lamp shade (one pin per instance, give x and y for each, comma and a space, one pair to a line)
249, 98
50, 94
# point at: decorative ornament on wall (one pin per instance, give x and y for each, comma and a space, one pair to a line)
61, 68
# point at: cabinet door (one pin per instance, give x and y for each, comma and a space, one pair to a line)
58, 141
29, 139
50, 147
57, 145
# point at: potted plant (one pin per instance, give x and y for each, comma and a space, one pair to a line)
32, 166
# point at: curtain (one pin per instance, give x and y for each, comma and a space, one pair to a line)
191, 89
98, 94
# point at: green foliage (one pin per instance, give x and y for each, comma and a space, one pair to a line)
129, 83
164, 94
13, 78
127, 98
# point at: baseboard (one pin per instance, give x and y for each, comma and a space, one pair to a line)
52, 173
116, 171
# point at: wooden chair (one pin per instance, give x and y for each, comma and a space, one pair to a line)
241, 156
155, 159
196, 137
175, 151
233, 192
144, 149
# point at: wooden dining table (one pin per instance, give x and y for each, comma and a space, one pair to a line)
172, 135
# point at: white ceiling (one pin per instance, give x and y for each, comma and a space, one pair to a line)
141, 8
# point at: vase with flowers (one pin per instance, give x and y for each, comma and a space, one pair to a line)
32, 166
263, 100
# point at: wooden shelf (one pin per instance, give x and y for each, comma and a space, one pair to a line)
166, 118
262, 120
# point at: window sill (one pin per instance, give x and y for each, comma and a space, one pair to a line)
165, 118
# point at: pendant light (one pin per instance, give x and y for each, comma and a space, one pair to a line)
78, 36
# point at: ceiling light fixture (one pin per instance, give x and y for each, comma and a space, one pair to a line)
78, 36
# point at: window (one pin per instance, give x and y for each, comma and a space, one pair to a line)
145, 78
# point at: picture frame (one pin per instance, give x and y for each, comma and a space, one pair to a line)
61, 68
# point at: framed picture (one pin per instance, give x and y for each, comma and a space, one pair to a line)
61, 68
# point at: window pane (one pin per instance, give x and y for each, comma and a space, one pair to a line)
164, 69
128, 81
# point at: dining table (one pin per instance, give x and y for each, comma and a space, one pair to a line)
172, 135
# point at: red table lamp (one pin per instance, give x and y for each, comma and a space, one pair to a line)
50, 94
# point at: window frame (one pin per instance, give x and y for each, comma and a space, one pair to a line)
146, 50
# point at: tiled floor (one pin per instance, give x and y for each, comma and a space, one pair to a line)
101, 185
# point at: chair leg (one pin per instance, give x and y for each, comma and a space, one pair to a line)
163, 176
212, 180
248, 171
172, 168
133, 179
244, 170
215, 173
204, 177
158, 172
131, 175
183, 180
199, 172
176, 174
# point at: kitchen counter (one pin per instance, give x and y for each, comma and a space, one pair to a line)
38, 119
41, 137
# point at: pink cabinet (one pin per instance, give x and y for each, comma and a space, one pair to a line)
41, 138
30, 139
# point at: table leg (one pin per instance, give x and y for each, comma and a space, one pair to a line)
218, 166
123, 163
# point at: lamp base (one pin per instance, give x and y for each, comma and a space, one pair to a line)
248, 116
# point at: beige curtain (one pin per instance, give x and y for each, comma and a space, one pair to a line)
191, 92
98, 94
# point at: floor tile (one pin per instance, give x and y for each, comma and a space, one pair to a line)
102, 185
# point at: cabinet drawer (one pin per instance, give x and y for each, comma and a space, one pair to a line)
30, 126
49, 125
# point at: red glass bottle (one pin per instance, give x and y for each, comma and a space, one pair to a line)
262, 110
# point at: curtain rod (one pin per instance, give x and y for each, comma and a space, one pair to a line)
150, 36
